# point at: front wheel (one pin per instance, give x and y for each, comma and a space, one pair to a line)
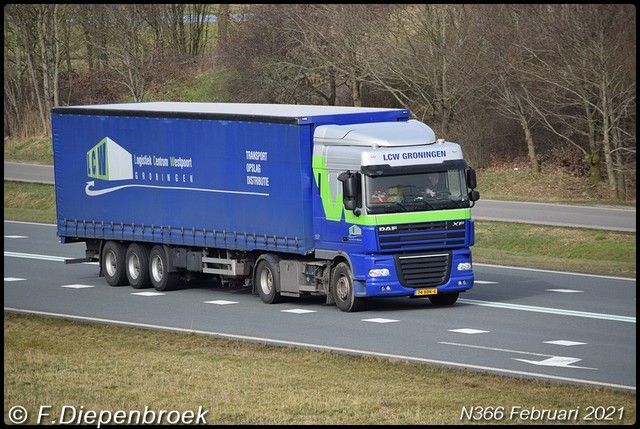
343, 289
267, 280
444, 299
161, 278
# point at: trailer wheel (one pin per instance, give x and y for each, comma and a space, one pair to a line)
112, 263
160, 277
137, 263
444, 299
343, 289
267, 280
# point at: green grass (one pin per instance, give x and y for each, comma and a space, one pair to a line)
29, 202
35, 150
578, 250
206, 87
118, 368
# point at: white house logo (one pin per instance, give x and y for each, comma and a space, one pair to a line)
355, 230
109, 161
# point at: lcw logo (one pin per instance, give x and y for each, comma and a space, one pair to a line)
109, 161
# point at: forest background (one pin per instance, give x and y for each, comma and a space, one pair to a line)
550, 87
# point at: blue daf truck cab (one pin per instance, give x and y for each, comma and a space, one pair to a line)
290, 200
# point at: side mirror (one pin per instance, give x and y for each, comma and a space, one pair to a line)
350, 190
471, 178
473, 197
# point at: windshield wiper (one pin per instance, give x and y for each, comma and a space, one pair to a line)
397, 203
423, 200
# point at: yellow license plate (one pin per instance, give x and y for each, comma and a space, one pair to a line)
426, 291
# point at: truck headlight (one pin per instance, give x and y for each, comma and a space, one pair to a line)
464, 266
379, 272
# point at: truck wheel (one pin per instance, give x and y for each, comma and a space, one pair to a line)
267, 280
137, 263
160, 277
444, 299
112, 263
342, 289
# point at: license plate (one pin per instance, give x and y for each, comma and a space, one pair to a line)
426, 292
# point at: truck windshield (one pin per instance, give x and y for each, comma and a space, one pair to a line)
436, 190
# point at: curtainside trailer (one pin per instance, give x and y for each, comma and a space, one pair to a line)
290, 200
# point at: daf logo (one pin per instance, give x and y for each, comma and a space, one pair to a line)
387, 228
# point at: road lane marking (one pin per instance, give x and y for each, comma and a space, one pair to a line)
379, 320
549, 310
35, 256
557, 361
221, 302
551, 360
468, 331
564, 343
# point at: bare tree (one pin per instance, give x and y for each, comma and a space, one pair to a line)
131, 51
305, 52
179, 29
340, 38
427, 58
509, 90
37, 53
94, 22
224, 17
584, 61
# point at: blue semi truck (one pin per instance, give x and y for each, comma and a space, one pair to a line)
289, 200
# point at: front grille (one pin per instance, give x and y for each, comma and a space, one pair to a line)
423, 270
413, 237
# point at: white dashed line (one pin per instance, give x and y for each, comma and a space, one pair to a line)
468, 331
564, 343
220, 302
298, 311
77, 286
380, 320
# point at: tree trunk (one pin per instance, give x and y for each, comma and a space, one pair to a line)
531, 148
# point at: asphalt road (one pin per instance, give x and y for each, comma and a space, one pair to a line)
34, 173
515, 322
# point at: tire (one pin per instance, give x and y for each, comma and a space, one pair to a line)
161, 278
444, 299
137, 266
267, 280
112, 263
343, 290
